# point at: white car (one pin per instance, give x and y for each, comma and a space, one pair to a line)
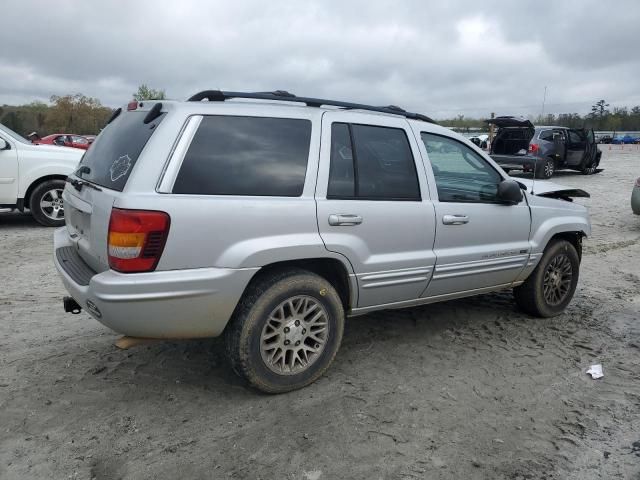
33, 176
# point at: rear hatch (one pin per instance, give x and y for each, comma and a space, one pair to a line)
513, 137
508, 121
101, 178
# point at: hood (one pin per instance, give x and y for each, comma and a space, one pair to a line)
545, 188
508, 121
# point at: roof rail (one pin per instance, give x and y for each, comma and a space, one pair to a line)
284, 96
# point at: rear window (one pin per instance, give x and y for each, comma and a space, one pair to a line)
255, 156
115, 151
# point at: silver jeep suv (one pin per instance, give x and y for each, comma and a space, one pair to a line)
268, 218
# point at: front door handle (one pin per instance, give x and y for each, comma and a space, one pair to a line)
455, 219
344, 219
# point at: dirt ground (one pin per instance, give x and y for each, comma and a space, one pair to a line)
467, 389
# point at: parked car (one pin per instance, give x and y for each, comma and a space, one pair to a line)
269, 223
65, 140
624, 139
519, 145
606, 139
33, 176
635, 197
481, 141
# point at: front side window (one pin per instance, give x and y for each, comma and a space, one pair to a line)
371, 163
575, 136
461, 174
255, 156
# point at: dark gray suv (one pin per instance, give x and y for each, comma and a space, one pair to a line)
519, 145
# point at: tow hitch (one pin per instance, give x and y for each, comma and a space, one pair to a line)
71, 306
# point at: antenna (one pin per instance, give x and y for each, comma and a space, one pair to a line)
533, 183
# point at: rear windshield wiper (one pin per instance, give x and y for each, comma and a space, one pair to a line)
78, 184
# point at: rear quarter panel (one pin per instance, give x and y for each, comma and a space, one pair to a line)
226, 230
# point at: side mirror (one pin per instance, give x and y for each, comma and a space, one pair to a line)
509, 192
3, 144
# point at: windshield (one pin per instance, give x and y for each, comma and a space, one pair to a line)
13, 135
115, 151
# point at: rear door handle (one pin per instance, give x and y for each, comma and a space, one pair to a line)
344, 219
455, 219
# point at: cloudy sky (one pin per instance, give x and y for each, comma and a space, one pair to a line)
440, 58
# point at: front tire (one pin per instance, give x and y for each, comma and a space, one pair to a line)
46, 205
286, 331
550, 287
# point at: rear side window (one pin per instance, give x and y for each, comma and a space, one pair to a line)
115, 151
371, 163
546, 135
254, 156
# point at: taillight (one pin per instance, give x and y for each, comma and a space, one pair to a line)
534, 147
136, 239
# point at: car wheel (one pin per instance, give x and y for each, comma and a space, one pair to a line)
551, 286
590, 170
286, 331
546, 170
46, 205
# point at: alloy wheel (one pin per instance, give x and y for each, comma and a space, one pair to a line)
557, 280
51, 204
294, 335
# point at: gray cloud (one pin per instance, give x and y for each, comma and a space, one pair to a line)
434, 57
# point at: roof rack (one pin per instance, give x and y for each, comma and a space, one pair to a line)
284, 96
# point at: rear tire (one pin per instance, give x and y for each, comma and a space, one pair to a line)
285, 331
546, 170
551, 286
46, 205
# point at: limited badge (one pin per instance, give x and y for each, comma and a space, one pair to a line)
120, 167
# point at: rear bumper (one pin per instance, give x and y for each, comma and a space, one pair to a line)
515, 162
165, 304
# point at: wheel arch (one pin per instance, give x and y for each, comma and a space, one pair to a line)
574, 238
35, 183
335, 271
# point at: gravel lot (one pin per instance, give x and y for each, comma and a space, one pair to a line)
465, 389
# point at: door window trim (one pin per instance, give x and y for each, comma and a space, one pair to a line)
354, 159
176, 156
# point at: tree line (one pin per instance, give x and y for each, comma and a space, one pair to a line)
86, 115
75, 113
600, 118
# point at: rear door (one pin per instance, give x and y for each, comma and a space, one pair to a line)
373, 205
103, 173
480, 243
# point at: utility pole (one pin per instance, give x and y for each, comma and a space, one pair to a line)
493, 115
544, 100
